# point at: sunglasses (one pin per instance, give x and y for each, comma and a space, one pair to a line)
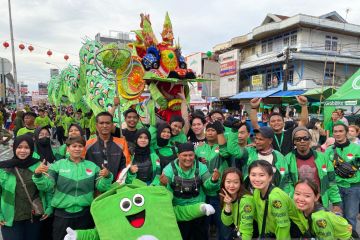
299, 139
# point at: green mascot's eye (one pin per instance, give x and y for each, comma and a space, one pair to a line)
138, 200
125, 204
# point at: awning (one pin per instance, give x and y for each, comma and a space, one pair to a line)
254, 94
287, 93
316, 92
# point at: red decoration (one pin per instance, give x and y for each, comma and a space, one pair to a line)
49, 53
66, 57
21, 46
31, 48
6, 44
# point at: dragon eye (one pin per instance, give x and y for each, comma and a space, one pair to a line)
125, 204
138, 200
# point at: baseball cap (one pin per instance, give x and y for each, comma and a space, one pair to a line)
267, 132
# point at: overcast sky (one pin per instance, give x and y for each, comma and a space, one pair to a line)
60, 25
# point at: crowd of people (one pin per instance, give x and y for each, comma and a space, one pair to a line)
279, 181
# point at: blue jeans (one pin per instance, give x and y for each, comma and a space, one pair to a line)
350, 203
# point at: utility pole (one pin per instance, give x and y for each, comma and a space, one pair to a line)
286, 53
13, 56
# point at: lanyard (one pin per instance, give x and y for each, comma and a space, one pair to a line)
281, 141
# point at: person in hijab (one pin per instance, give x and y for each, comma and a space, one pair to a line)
16, 219
163, 148
43, 148
73, 131
145, 165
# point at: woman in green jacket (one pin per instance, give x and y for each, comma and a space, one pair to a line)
238, 204
163, 148
43, 149
320, 223
74, 180
16, 216
274, 208
145, 165
73, 131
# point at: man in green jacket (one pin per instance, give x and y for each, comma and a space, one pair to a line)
346, 159
187, 178
262, 151
307, 163
42, 120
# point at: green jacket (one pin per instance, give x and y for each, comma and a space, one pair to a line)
326, 225
180, 138
24, 130
203, 174
349, 154
213, 160
61, 152
7, 201
74, 184
155, 169
43, 121
329, 190
281, 177
66, 122
280, 210
245, 210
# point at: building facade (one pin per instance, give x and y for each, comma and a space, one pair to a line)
319, 51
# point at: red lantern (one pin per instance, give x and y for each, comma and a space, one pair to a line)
66, 57
31, 48
21, 46
6, 44
49, 53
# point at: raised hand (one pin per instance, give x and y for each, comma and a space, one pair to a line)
226, 196
42, 168
116, 101
181, 94
104, 172
255, 102
302, 100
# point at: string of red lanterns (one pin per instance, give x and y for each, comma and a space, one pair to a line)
31, 48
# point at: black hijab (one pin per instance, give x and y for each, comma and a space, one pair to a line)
161, 142
142, 153
15, 161
43, 146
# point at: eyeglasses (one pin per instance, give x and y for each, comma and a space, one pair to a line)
299, 139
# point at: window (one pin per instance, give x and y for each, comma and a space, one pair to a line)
286, 41
268, 80
253, 51
293, 40
270, 46
263, 47
329, 73
331, 43
291, 76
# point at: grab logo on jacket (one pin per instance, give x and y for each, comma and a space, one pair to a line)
89, 172
282, 170
323, 167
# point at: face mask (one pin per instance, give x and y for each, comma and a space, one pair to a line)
44, 141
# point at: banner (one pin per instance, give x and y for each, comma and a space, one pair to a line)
228, 68
257, 80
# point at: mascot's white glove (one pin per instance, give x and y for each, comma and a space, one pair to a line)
71, 234
207, 209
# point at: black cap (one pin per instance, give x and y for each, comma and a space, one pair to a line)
267, 132
185, 147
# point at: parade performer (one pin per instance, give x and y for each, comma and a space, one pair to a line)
307, 163
345, 156
145, 165
263, 150
319, 223
67, 176
29, 120
274, 209
17, 218
166, 152
187, 178
238, 204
